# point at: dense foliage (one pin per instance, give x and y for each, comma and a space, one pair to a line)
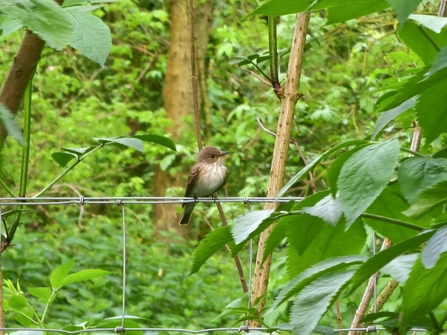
355, 66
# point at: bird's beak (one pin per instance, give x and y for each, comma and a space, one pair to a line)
225, 153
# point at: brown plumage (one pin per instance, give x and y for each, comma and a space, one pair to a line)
207, 176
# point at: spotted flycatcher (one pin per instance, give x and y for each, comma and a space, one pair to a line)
206, 177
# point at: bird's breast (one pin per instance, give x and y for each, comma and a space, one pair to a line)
212, 177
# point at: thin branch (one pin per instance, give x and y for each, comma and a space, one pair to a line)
257, 76
392, 221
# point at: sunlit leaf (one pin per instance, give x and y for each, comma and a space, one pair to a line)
84, 275
58, 274
400, 267
435, 247
428, 200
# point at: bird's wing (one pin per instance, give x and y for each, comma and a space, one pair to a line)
192, 179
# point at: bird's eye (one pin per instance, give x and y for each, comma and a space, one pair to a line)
213, 156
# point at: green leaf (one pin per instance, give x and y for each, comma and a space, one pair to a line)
209, 245
431, 22
348, 9
386, 116
18, 302
24, 321
309, 167
7, 119
164, 141
9, 25
62, 158
91, 36
435, 247
315, 299
382, 258
79, 151
312, 273
425, 290
391, 204
403, 9
40, 292
328, 209
400, 267
417, 174
440, 61
84, 2
431, 110
246, 224
323, 242
58, 274
130, 142
43, 17
84, 275
277, 235
428, 200
364, 176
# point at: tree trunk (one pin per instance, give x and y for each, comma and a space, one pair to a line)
177, 94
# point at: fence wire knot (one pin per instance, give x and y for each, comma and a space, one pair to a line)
371, 329
81, 200
119, 202
243, 329
119, 329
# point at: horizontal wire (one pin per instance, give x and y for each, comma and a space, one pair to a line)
180, 330
135, 200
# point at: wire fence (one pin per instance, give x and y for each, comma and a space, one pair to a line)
122, 201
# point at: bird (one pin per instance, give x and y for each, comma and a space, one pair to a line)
206, 177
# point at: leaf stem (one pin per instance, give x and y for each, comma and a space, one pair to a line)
415, 153
50, 300
392, 221
78, 160
25, 156
2, 183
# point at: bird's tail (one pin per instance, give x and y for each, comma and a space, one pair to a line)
187, 214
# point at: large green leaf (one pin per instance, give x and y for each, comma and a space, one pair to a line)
91, 36
209, 245
425, 290
84, 275
435, 247
417, 174
9, 25
364, 176
386, 116
323, 242
43, 17
62, 158
440, 61
162, 140
42, 293
400, 267
309, 167
403, 8
391, 204
277, 235
428, 200
18, 302
130, 142
382, 258
8, 122
432, 22
431, 109
312, 273
58, 274
315, 299
328, 209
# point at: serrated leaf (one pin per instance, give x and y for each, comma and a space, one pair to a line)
382, 258
435, 247
309, 167
40, 292
432, 22
9, 25
58, 274
431, 110
323, 242
403, 9
440, 61
400, 267
84, 275
315, 299
391, 204
18, 302
164, 141
425, 290
209, 245
246, 224
312, 273
43, 17
328, 209
91, 36
62, 158
428, 200
416, 174
7, 119
386, 116
364, 176
277, 235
